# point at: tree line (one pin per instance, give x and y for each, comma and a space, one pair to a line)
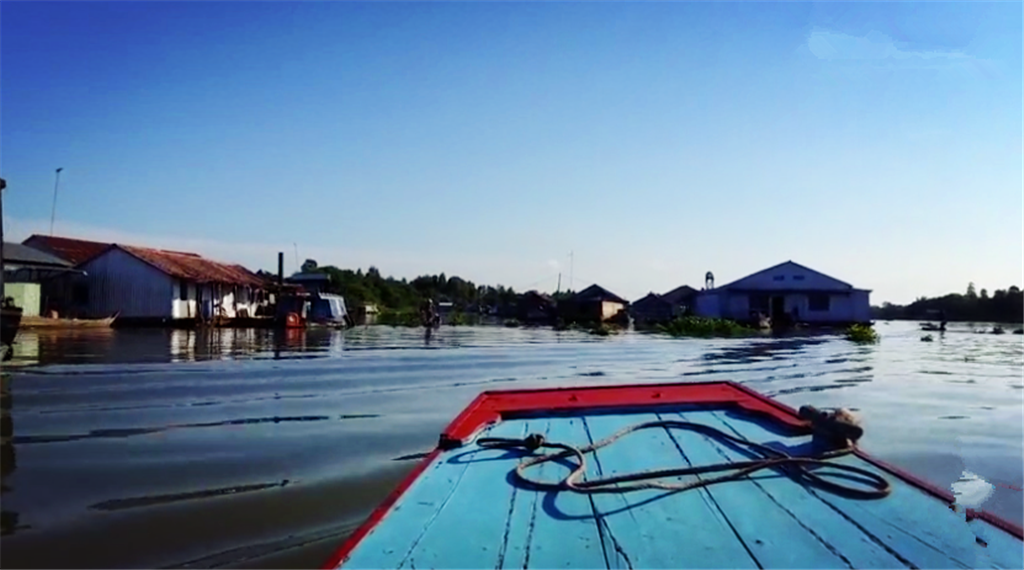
1003, 306
359, 287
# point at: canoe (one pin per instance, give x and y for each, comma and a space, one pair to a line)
48, 323
488, 497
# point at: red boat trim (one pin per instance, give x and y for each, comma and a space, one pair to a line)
379, 513
491, 407
943, 494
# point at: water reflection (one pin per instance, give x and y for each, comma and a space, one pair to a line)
762, 350
8, 460
132, 346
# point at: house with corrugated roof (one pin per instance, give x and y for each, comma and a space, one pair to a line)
593, 304
147, 284
787, 292
26, 269
655, 308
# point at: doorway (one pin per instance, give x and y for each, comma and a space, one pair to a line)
778, 307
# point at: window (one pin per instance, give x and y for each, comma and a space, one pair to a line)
798, 278
779, 278
183, 290
818, 302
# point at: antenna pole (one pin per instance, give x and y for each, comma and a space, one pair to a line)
53, 210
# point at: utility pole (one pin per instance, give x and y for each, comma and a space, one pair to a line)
53, 211
3, 184
559, 288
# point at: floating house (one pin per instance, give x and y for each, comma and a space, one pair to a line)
144, 285
681, 299
783, 292
25, 271
536, 307
593, 304
654, 308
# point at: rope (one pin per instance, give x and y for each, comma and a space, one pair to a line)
797, 468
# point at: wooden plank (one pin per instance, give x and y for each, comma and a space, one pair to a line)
774, 536
396, 538
839, 534
562, 531
524, 505
470, 530
643, 528
916, 527
1001, 549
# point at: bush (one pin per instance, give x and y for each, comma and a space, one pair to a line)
704, 327
407, 318
861, 334
601, 330
457, 318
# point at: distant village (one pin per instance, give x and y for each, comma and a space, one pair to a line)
52, 277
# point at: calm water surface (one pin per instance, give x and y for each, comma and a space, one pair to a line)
241, 448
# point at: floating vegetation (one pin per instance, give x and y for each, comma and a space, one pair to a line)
399, 318
927, 338
705, 328
456, 318
512, 323
601, 330
861, 334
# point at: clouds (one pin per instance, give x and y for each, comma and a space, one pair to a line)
878, 48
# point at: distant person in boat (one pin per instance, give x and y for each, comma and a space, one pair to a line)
942, 320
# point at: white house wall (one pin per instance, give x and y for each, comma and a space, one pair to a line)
843, 307
706, 305
208, 300
119, 282
861, 306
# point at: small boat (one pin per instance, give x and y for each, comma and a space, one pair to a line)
60, 323
696, 475
10, 321
932, 327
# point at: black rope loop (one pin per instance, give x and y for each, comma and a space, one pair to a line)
800, 469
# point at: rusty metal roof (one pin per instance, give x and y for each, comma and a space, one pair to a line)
76, 251
183, 265
25, 256
193, 267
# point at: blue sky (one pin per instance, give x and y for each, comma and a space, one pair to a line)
877, 142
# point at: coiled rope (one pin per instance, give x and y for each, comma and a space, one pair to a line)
797, 468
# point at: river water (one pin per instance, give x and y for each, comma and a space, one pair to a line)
242, 448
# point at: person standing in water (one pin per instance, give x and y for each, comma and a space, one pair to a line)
428, 316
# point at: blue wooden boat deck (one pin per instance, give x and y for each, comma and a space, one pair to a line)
465, 511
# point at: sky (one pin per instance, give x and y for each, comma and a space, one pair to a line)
637, 145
